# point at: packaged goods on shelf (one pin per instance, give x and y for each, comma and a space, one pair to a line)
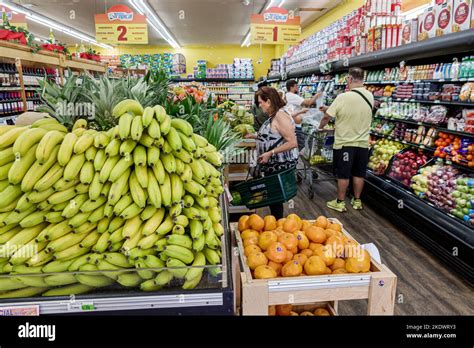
405, 165
463, 17
200, 69
444, 17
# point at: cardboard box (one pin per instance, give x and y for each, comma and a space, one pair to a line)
444, 17
462, 15
427, 24
409, 31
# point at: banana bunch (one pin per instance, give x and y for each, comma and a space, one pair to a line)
136, 205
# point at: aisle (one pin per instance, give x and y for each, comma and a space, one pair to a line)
425, 285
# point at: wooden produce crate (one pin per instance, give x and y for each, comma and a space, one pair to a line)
377, 286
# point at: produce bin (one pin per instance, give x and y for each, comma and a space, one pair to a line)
377, 286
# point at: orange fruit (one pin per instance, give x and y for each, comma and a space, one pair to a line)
360, 264
316, 234
339, 271
270, 223
266, 238
315, 266
289, 256
280, 222
307, 252
256, 259
328, 271
301, 258
337, 245
290, 226
305, 225
243, 224
276, 267
338, 263
321, 312
276, 252
297, 219
279, 231
306, 314
249, 234
316, 248
272, 311
335, 226
327, 254
329, 233
322, 222
256, 222
284, 309
288, 240
303, 241
264, 272
249, 249
250, 241
294, 314
291, 269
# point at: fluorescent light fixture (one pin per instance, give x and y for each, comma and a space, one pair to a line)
54, 25
415, 12
246, 40
155, 22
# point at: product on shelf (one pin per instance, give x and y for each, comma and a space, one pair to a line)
419, 182
383, 151
463, 196
292, 247
468, 118
441, 184
290, 310
89, 200
239, 118
462, 19
454, 148
467, 92
405, 165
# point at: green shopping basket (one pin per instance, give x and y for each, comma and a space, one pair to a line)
271, 189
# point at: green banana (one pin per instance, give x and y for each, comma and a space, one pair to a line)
199, 242
85, 228
107, 168
144, 274
46, 145
125, 124
25, 236
99, 160
151, 225
146, 242
148, 114
176, 209
165, 190
177, 268
146, 140
138, 253
188, 201
103, 224
56, 266
192, 283
118, 187
118, 259
127, 106
127, 147
181, 240
138, 194
90, 205
90, 240
148, 212
84, 142
11, 283
115, 224
141, 173
195, 188
87, 173
169, 162
70, 253
151, 261
39, 259
115, 246
166, 226
62, 184
123, 203
116, 236
184, 156
10, 136
74, 289
7, 156
129, 280
212, 256
140, 156
103, 265
60, 279
136, 130
78, 219
78, 262
160, 113
73, 167
149, 285
64, 242
197, 266
101, 140
174, 139
178, 252
102, 242
40, 196
62, 196
14, 217
113, 148
195, 228
181, 220
74, 206
33, 219
163, 278
159, 171
160, 244
131, 211
154, 129
37, 170
120, 167
95, 188
131, 242
96, 281
50, 178
165, 125
188, 143
131, 227
177, 188
178, 229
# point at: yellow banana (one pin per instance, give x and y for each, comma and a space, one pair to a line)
115, 224
151, 225
212, 256
8, 138
43, 121
113, 148
78, 262
74, 289
178, 229
199, 140
181, 220
159, 171
138, 194
78, 219
91, 239
64, 242
160, 246
10, 284
187, 174
160, 113
118, 187
70, 253
177, 188
176, 210
101, 140
123, 203
148, 212
177, 268
50, 178
166, 226
153, 189
142, 176
147, 242
195, 189
146, 140
120, 167
118, 259
107, 168
12, 206
60, 279
74, 205
131, 243
90, 153
4, 170
10, 194
33, 219
198, 266
95, 188
39, 259
87, 173
62, 184
37, 170
63, 196
166, 148
182, 240
195, 228
27, 140
168, 162
199, 242
14, 218
7, 156
178, 252
73, 167
56, 266
165, 190
25, 235
83, 143
188, 143
47, 144
165, 125
21, 165
80, 123
131, 227
131, 280
174, 139
183, 126
214, 158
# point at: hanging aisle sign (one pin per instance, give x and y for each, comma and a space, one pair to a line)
120, 25
275, 26
15, 19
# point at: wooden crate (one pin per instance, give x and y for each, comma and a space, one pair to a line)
378, 286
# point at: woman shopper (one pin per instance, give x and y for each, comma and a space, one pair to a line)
277, 147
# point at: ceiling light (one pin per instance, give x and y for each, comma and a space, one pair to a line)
54, 25
155, 22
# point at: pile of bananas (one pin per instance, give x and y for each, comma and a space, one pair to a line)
104, 207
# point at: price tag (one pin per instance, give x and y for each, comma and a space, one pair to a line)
442, 80
88, 306
19, 311
420, 123
422, 146
471, 79
404, 142
406, 99
437, 102
463, 79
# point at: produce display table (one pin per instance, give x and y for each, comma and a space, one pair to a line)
378, 286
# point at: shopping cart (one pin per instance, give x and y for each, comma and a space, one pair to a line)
317, 157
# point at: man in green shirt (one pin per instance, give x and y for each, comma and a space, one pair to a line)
353, 114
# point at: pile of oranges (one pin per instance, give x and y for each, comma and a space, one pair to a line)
289, 310
456, 149
293, 247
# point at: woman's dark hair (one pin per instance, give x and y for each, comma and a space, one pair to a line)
269, 93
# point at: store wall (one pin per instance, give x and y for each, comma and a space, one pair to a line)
217, 54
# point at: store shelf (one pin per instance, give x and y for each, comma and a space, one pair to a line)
240, 209
435, 47
442, 129
419, 146
211, 80
418, 81
438, 231
435, 102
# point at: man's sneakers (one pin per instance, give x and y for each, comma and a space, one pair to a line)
356, 204
341, 206
338, 206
